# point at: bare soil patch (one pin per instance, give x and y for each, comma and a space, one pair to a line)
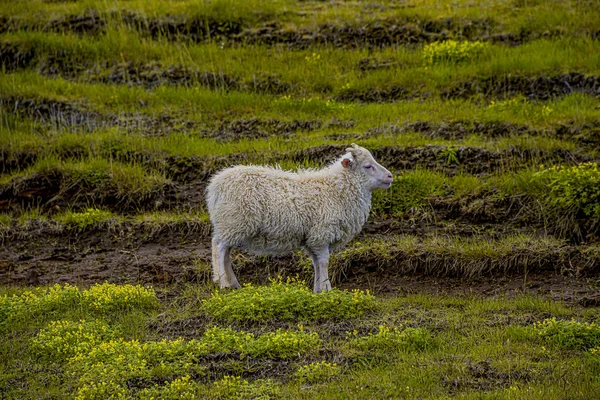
541, 87
178, 254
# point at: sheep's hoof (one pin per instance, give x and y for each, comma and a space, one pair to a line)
325, 286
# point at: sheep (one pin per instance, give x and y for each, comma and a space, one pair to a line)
270, 211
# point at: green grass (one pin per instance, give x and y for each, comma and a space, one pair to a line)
98, 341
123, 126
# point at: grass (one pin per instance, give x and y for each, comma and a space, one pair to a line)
439, 346
486, 112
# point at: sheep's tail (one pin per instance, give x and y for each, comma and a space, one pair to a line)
215, 261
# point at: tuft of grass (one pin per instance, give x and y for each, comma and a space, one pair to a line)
82, 220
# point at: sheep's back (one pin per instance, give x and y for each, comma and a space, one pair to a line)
256, 207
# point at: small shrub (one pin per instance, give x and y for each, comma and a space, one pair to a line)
575, 186
283, 344
317, 372
180, 388
62, 339
389, 340
30, 304
100, 298
225, 340
452, 51
102, 390
569, 334
289, 301
82, 220
108, 297
234, 387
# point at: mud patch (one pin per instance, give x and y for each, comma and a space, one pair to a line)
379, 95
482, 376
255, 128
47, 254
152, 75
473, 160
179, 27
455, 129
13, 57
89, 22
378, 33
538, 87
56, 113
55, 190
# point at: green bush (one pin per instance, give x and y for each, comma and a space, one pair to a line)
180, 388
288, 301
234, 387
284, 344
388, 340
57, 300
573, 187
108, 297
317, 372
30, 304
452, 51
569, 334
63, 339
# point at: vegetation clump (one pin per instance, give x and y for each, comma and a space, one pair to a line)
102, 298
82, 220
318, 372
452, 51
573, 187
392, 339
569, 334
291, 300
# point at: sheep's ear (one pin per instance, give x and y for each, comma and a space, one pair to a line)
346, 163
354, 150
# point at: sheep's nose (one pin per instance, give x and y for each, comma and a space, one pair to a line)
389, 175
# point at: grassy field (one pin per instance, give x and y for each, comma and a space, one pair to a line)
481, 261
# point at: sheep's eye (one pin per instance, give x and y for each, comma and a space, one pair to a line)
368, 166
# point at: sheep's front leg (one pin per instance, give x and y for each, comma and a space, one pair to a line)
320, 259
227, 278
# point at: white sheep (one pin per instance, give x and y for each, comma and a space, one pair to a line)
267, 210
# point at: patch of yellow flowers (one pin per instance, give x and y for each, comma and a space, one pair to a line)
452, 51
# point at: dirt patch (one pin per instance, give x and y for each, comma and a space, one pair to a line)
179, 27
455, 129
474, 160
482, 376
13, 57
56, 113
586, 134
378, 95
254, 128
378, 33
16, 161
55, 190
541, 87
89, 22
152, 75
179, 254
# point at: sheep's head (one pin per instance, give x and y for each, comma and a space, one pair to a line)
361, 161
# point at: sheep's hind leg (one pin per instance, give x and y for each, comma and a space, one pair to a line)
321, 261
227, 278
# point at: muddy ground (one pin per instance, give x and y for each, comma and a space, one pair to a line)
179, 254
